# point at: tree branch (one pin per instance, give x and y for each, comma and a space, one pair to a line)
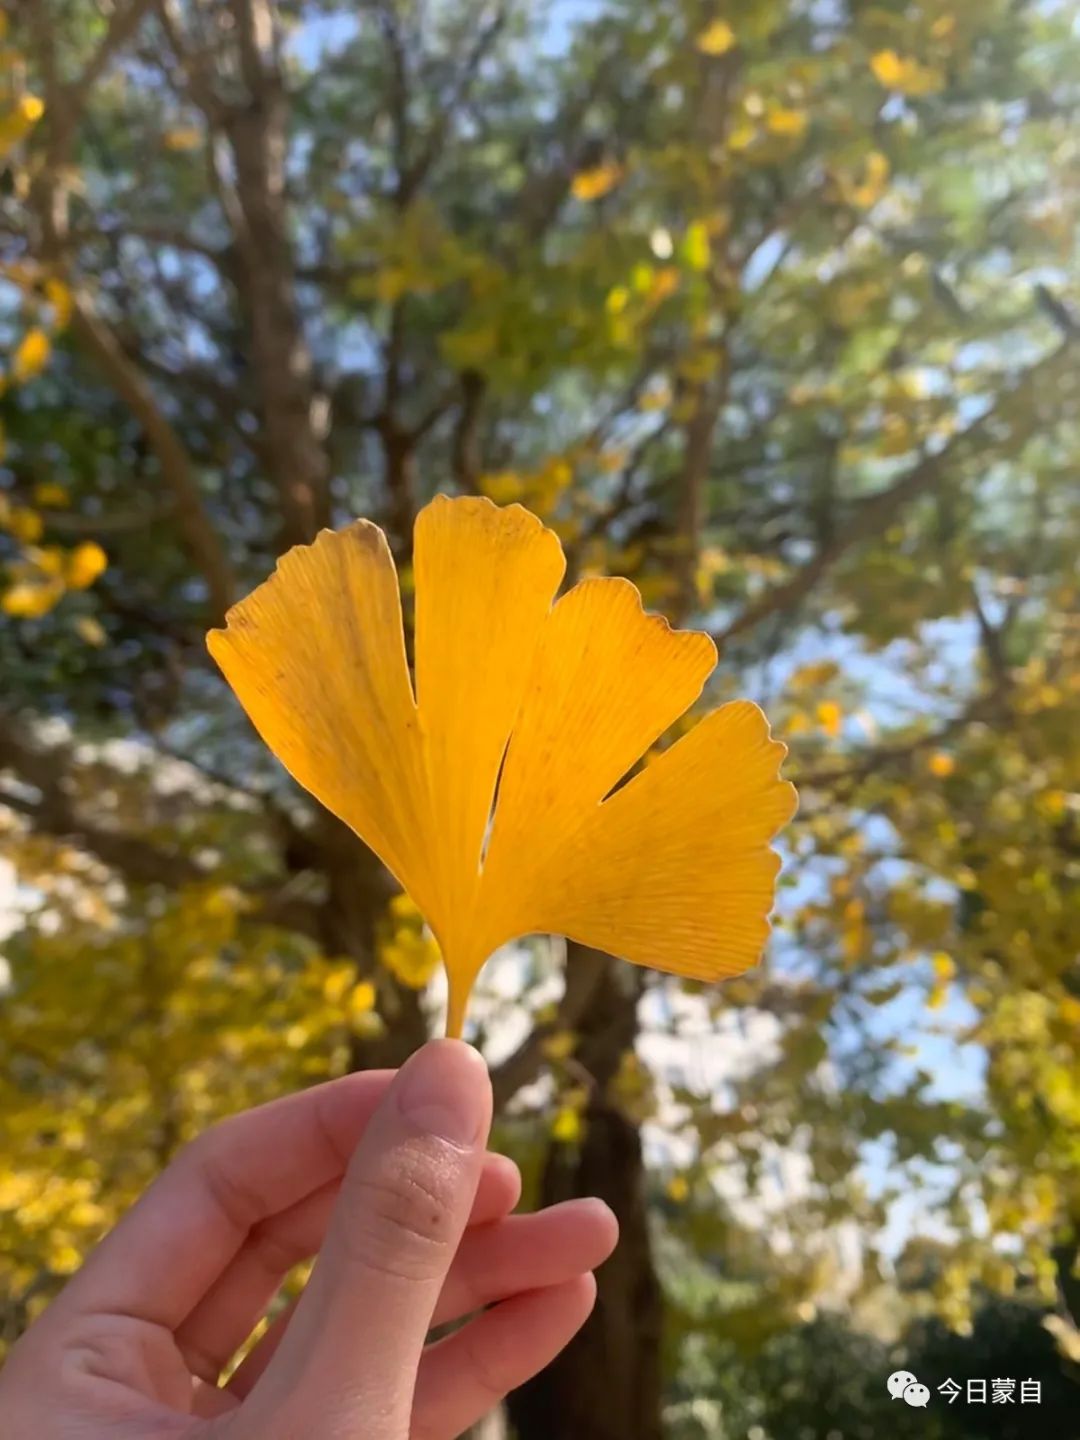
134, 857
55, 813
67, 101
200, 537
584, 973
875, 514
465, 459
416, 172
281, 358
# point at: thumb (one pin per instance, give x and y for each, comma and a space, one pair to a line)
347, 1364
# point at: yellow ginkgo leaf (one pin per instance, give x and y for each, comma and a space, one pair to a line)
716, 39
61, 299
830, 717
183, 138
49, 560
91, 631
361, 999
875, 178
18, 120
85, 563
904, 74
31, 356
664, 284
560, 1046
678, 1189
656, 396
742, 135
48, 493
29, 600
24, 524
696, 249
566, 1126
944, 965
783, 120
412, 956
591, 184
502, 486
552, 705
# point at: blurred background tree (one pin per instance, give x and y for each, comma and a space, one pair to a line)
769, 305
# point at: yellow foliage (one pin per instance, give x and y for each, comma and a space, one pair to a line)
27, 600
503, 486
941, 764
873, 183
566, 1126
905, 75
410, 954
696, 248
591, 184
183, 138
850, 301
782, 120
85, 563
24, 524
699, 365
853, 930
361, 1000
609, 462
897, 436
391, 282
814, 675
664, 284
91, 631
471, 346
17, 123
830, 717
716, 39
340, 979
678, 1189
944, 966
560, 1046
31, 356
50, 495
1052, 805
59, 296
656, 396
938, 995
617, 300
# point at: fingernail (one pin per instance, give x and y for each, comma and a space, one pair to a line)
444, 1090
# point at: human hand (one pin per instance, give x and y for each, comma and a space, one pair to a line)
386, 1178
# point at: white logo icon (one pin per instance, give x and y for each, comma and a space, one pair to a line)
903, 1385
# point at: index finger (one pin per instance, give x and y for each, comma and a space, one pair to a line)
179, 1237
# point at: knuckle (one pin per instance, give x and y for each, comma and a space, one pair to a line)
274, 1253
229, 1187
487, 1364
104, 1347
402, 1222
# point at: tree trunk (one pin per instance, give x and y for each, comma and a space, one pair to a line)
607, 1384
492, 1427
